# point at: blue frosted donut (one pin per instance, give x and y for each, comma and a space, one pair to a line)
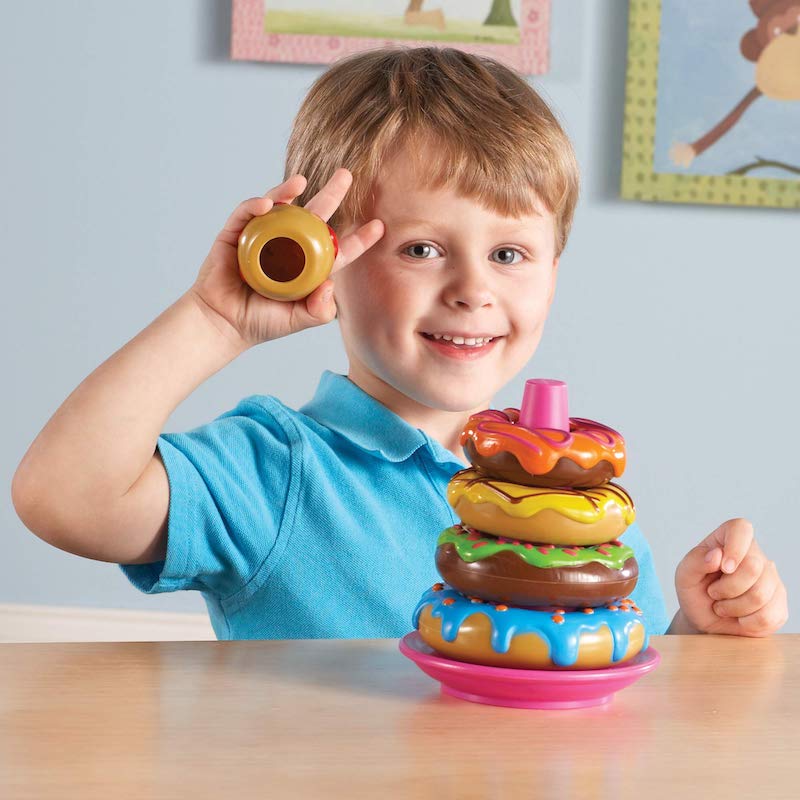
468, 629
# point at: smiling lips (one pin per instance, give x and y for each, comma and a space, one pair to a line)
459, 346
474, 340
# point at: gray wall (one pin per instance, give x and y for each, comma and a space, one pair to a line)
127, 138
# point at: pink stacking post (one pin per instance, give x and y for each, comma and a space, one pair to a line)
544, 405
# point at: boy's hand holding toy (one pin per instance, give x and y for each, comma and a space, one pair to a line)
248, 318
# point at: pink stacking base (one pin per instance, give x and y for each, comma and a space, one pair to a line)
527, 688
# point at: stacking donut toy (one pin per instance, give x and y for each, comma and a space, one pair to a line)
517, 573
467, 629
587, 455
286, 253
540, 514
535, 576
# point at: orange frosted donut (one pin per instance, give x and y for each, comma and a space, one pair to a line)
466, 629
589, 455
538, 513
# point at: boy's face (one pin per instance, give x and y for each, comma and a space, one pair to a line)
446, 265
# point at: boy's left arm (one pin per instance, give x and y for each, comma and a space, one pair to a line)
727, 585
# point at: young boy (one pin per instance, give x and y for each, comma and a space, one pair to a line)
322, 522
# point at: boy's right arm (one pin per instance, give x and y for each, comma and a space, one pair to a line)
92, 482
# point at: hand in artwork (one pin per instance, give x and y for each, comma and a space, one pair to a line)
682, 154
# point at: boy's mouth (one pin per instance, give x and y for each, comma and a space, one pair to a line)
461, 341
461, 346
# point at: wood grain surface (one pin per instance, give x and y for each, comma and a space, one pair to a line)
719, 717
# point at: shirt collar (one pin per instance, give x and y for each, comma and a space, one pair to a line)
345, 408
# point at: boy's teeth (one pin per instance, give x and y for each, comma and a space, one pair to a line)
479, 342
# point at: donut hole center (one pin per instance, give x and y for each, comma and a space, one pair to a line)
282, 259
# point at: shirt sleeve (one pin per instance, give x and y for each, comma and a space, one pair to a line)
647, 593
228, 488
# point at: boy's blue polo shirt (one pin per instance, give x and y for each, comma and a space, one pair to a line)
317, 523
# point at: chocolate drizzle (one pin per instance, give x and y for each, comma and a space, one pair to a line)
586, 504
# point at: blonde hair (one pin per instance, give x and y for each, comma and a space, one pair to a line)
500, 144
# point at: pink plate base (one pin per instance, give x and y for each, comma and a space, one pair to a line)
527, 688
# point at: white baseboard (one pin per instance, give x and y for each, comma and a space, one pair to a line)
19, 623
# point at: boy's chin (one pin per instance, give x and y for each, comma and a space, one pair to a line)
450, 396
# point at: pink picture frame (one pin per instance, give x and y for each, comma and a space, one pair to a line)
251, 42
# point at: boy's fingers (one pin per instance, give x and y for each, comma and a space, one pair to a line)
257, 206
694, 567
318, 308
328, 198
753, 598
770, 617
737, 583
285, 192
242, 214
357, 243
734, 536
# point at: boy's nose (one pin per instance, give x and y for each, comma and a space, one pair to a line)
468, 287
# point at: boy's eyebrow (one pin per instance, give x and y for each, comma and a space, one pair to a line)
413, 221
407, 223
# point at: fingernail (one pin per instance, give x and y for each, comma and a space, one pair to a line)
720, 612
326, 295
709, 556
729, 565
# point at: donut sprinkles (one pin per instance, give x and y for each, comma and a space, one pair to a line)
535, 575
473, 545
559, 628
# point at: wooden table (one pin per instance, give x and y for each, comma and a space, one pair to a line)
719, 717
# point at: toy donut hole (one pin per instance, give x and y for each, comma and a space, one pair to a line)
282, 259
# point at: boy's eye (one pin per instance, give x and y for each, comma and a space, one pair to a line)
505, 255
421, 250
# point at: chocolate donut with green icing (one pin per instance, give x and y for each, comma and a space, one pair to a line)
525, 574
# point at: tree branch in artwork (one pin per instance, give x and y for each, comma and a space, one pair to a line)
760, 163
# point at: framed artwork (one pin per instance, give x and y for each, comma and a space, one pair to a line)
515, 32
712, 102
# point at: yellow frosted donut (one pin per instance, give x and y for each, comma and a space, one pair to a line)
540, 514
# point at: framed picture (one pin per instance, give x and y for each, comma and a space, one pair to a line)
515, 32
712, 105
